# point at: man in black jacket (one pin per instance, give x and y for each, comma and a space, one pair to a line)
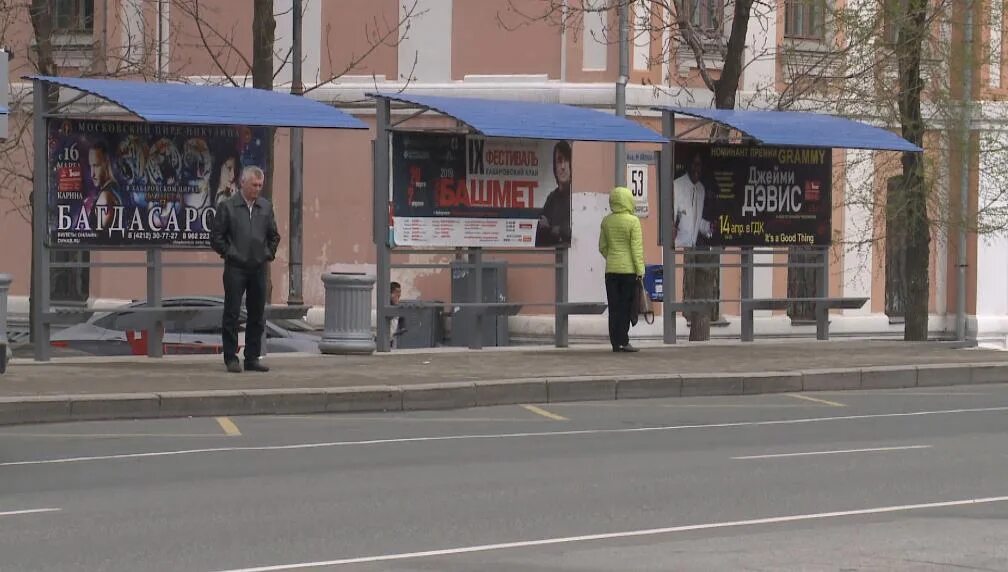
245, 235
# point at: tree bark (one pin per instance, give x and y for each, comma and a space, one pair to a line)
263, 39
703, 283
895, 251
916, 223
802, 282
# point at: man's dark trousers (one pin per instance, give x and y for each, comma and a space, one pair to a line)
620, 296
251, 282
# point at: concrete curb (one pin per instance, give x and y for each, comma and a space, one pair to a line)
454, 395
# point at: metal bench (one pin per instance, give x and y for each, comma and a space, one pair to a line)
581, 308
822, 307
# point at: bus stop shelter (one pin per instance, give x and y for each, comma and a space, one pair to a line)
760, 128
489, 118
173, 104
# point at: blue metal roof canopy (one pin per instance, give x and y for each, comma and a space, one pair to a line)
801, 129
531, 120
211, 105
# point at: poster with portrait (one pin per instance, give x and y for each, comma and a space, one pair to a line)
124, 184
453, 190
749, 195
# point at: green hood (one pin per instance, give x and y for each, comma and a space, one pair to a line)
621, 201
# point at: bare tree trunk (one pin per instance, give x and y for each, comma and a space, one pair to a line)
703, 283
263, 39
802, 283
68, 285
895, 251
917, 226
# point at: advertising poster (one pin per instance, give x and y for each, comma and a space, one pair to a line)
121, 184
742, 195
450, 190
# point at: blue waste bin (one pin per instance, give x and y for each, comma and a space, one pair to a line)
654, 280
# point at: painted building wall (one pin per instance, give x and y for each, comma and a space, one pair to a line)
464, 47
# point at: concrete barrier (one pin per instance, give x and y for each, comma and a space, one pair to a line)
939, 374
438, 396
34, 409
645, 387
771, 382
701, 384
831, 379
204, 403
889, 377
364, 398
593, 388
510, 392
115, 406
286, 401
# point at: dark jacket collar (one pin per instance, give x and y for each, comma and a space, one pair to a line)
238, 200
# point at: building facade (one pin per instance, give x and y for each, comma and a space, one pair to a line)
511, 49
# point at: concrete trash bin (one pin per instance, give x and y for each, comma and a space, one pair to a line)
347, 314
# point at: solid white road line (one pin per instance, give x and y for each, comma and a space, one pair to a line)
622, 534
834, 452
28, 511
297, 446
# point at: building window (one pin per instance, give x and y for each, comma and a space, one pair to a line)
893, 15
73, 16
705, 14
805, 19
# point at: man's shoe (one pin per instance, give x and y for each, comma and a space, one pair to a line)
233, 367
628, 348
255, 365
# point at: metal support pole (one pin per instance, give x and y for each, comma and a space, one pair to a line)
40, 209
621, 82
155, 335
380, 222
561, 320
748, 331
668, 243
5, 282
822, 310
295, 263
476, 260
966, 123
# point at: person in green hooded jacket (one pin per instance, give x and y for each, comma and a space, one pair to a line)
622, 245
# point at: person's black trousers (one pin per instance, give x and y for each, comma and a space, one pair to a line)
620, 295
252, 283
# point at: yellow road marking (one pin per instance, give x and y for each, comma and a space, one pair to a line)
544, 413
230, 429
816, 400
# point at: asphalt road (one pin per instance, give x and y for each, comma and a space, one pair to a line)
880, 480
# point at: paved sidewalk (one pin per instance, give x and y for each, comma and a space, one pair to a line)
96, 388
